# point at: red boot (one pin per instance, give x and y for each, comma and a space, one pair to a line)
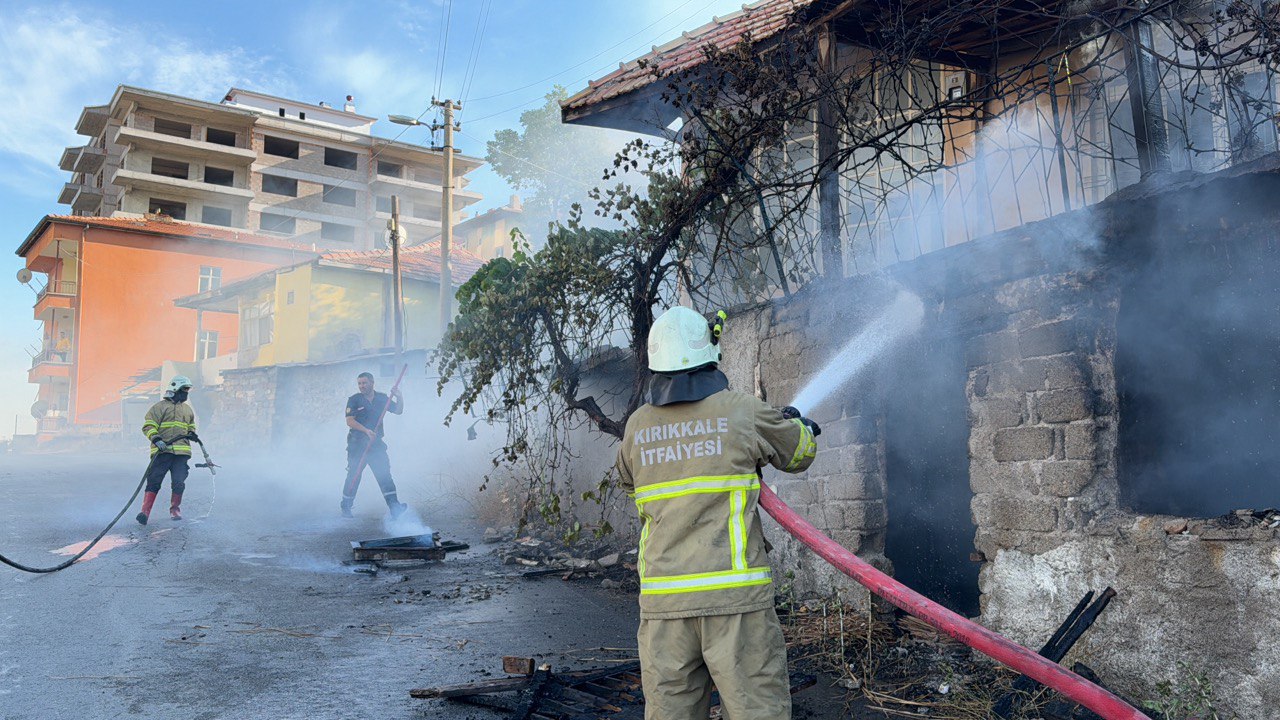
148, 500
175, 512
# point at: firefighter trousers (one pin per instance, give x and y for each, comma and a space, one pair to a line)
742, 654
377, 461
175, 466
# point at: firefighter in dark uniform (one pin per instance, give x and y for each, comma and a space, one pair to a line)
364, 410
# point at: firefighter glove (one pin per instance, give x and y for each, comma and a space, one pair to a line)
160, 444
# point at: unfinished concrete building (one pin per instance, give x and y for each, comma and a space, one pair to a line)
314, 173
1091, 398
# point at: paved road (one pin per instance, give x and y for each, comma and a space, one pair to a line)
248, 613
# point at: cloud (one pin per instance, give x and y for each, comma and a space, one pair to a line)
55, 60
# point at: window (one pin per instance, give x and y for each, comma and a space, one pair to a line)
219, 176
281, 112
302, 115
338, 195
173, 127
257, 324
389, 169
425, 211
170, 168
340, 158
340, 233
288, 298
383, 203
207, 345
214, 215
220, 137
172, 208
276, 223
277, 185
279, 146
210, 278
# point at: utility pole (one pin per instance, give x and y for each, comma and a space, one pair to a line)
397, 289
446, 212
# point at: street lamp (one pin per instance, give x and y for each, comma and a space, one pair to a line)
446, 203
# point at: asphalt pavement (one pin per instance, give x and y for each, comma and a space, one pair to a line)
245, 610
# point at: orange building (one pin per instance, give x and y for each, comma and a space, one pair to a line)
107, 306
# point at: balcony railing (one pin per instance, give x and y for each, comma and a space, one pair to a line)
50, 355
59, 287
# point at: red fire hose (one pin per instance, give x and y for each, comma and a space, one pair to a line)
989, 643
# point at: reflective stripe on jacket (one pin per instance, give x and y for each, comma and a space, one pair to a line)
694, 471
170, 420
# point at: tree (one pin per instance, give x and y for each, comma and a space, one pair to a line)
553, 164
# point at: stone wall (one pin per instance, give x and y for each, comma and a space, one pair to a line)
1033, 312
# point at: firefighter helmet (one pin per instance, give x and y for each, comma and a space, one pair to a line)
681, 340
179, 382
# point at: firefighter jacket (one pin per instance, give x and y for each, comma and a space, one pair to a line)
169, 421
694, 471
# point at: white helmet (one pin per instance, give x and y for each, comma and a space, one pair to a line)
178, 382
682, 340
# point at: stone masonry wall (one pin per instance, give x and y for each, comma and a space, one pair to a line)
1034, 310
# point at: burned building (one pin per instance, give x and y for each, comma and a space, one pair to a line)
1089, 394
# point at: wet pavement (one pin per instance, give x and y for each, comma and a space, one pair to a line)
245, 610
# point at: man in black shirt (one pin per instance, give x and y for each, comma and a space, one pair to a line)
364, 413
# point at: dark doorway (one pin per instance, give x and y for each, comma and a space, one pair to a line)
926, 416
1198, 379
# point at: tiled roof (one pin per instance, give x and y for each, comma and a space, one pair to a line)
421, 262
759, 21
177, 228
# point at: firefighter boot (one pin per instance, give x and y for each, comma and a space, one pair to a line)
148, 500
175, 509
397, 508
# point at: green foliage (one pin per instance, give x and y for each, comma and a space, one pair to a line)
551, 163
1190, 695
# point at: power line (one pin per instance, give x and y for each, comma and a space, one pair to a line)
442, 55
482, 24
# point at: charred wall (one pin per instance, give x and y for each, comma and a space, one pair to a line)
1092, 347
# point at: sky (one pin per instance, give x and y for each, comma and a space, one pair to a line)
500, 57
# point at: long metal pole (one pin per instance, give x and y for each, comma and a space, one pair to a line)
397, 288
446, 220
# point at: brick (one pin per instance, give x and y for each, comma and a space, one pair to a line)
1081, 441
993, 478
1004, 412
1064, 372
990, 349
1057, 406
1029, 443
1015, 513
857, 514
854, 486
1066, 478
1017, 377
860, 458
1050, 338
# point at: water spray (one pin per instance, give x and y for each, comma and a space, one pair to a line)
901, 318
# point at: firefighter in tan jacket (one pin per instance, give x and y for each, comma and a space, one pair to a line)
691, 458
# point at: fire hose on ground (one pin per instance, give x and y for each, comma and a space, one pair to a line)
141, 483
987, 642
